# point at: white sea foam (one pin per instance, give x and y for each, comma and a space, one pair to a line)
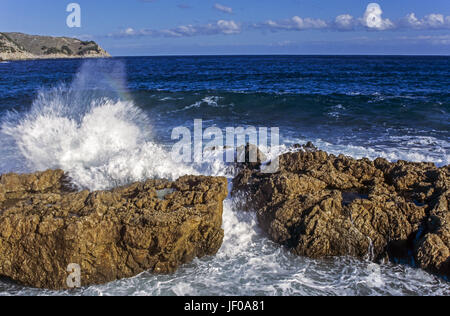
211, 101
409, 148
336, 111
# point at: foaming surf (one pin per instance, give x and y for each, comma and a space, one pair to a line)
409, 148
94, 131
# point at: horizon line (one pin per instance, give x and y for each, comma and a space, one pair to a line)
305, 55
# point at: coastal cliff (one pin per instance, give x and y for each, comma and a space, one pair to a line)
19, 46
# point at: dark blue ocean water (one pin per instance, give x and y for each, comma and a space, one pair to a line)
109, 122
397, 106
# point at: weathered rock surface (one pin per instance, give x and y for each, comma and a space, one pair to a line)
320, 205
433, 249
19, 46
156, 225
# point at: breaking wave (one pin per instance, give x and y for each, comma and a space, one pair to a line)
101, 142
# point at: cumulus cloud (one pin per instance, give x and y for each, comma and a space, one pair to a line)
373, 18
223, 8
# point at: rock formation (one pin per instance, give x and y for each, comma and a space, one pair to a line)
320, 205
18, 46
46, 227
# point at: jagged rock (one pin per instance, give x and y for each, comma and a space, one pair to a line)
156, 225
320, 205
433, 250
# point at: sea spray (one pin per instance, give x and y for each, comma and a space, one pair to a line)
101, 141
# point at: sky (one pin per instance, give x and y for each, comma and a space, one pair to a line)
230, 27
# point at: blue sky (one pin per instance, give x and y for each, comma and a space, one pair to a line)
191, 27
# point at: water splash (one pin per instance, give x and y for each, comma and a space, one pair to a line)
91, 130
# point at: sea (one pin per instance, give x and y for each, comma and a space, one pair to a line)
111, 122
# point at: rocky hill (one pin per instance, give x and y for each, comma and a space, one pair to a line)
19, 46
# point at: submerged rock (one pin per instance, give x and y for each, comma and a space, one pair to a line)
47, 229
249, 156
320, 205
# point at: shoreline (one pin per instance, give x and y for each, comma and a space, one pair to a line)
37, 58
19, 46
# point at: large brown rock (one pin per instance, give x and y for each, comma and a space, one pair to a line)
321, 205
45, 226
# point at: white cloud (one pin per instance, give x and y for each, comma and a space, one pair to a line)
345, 22
223, 8
220, 27
295, 23
308, 23
412, 20
431, 21
228, 27
373, 18
129, 31
435, 20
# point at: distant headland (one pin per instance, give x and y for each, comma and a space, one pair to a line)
19, 46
